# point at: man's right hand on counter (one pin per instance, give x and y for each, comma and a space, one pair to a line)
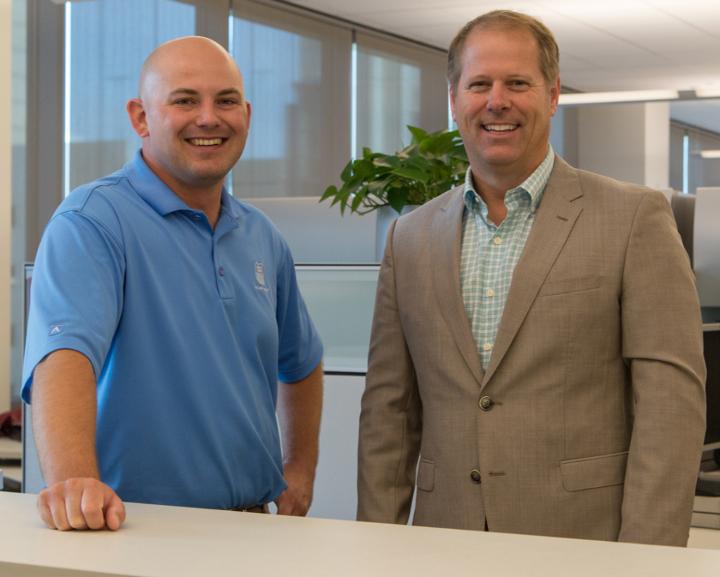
81, 503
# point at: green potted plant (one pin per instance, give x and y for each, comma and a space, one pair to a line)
431, 164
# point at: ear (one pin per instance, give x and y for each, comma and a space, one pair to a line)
451, 94
138, 117
554, 96
248, 107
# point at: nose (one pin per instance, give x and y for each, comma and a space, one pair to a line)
207, 115
498, 97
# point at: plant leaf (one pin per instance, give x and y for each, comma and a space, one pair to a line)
411, 172
428, 166
418, 134
329, 191
398, 198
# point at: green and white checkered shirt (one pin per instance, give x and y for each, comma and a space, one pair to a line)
489, 253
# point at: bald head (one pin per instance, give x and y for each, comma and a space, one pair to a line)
179, 52
191, 115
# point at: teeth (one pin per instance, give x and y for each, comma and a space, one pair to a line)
205, 141
500, 127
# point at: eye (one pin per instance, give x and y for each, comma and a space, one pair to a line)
518, 85
478, 85
184, 101
228, 102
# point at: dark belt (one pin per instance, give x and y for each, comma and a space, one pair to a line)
252, 509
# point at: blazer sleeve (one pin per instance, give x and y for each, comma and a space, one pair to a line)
391, 417
662, 345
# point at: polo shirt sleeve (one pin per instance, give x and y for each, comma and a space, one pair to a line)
76, 293
300, 348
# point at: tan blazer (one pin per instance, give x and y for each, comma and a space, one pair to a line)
590, 417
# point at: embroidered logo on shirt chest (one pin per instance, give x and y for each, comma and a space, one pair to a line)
260, 276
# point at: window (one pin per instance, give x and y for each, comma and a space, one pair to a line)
296, 72
397, 84
106, 44
298, 69
689, 170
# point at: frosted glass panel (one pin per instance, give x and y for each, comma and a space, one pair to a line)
341, 300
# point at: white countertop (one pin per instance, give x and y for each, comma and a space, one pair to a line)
172, 541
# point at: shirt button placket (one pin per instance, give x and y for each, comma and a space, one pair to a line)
220, 273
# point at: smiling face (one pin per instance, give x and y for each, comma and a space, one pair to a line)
192, 115
502, 104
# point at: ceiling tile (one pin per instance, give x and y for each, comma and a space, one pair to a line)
609, 44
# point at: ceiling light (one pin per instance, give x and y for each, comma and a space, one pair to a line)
611, 97
710, 153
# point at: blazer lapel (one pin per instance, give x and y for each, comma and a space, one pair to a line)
445, 235
554, 221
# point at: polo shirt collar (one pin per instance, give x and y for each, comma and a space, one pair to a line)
228, 206
160, 196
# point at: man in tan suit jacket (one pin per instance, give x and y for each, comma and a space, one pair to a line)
587, 418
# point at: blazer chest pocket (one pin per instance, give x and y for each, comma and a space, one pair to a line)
570, 285
594, 472
426, 475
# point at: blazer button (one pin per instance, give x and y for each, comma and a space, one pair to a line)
475, 476
486, 403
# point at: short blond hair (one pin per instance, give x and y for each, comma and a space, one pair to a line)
548, 51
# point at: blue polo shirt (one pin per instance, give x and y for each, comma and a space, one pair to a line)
188, 330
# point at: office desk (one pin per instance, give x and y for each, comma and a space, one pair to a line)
172, 541
10, 454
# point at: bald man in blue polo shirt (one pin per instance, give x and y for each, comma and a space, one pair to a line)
163, 314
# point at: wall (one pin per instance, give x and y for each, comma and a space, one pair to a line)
657, 144
610, 140
564, 133
317, 233
5, 199
629, 142
335, 495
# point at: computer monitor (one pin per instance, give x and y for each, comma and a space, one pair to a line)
711, 339
706, 249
